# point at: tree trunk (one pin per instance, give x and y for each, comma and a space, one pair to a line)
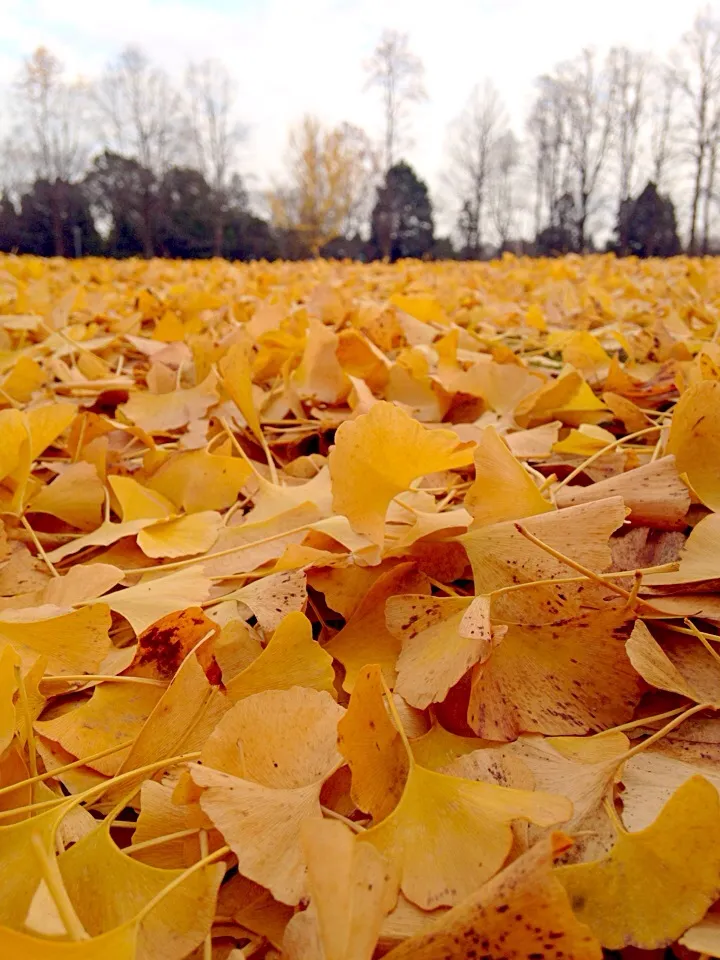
707, 207
56, 218
697, 189
218, 235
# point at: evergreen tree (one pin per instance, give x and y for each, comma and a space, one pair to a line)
9, 229
402, 221
58, 211
646, 226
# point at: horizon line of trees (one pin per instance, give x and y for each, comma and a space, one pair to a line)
132, 164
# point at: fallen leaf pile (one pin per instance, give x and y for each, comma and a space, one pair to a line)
355, 611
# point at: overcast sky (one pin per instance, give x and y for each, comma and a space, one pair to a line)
297, 56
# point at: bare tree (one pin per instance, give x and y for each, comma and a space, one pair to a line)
629, 70
547, 135
52, 129
473, 151
140, 111
663, 132
503, 186
214, 131
588, 94
399, 74
697, 74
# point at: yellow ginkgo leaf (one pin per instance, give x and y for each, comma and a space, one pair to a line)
75, 496
257, 738
105, 534
247, 546
83, 582
115, 713
254, 908
24, 870
237, 380
502, 489
655, 494
378, 455
170, 411
523, 912
46, 423
108, 888
466, 833
695, 439
13, 436
181, 537
262, 827
351, 888
373, 747
9, 660
159, 817
586, 441
442, 638
181, 721
426, 309
654, 665
24, 379
153, 598
291, 658
583, 769
699, 558
270, 599
365, 638
539, 406
585, 353
137, 502
501, 556
675, 861
704, 937
564, 678
118, 944
651, 777
438, 747
198, 480
74, 642
319, 376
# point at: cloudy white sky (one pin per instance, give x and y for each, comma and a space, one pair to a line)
297, 56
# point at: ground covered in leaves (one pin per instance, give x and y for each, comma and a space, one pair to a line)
353, 611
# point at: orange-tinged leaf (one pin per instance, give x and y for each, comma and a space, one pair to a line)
351, 888
695, 439
237, 380
372, 747
502, 489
